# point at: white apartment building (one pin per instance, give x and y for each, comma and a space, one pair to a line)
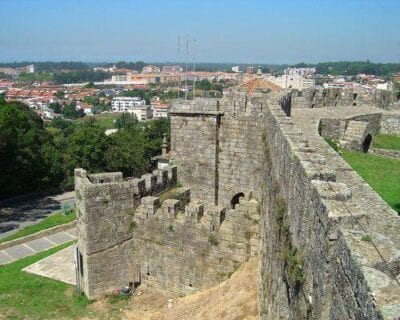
142, 112
235, 69
134, 105
30, 68
160, 110
293, 81
121, 104
172, 69
300, 71
151, 69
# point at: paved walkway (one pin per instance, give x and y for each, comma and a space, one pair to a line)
59, 266
31, 247
20, 214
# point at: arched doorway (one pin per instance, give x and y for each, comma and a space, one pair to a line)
235, 199
366, 143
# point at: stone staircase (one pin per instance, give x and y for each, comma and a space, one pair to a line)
354, 135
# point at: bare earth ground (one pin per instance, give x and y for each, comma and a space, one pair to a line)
233, 299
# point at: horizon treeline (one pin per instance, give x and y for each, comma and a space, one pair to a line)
350, 68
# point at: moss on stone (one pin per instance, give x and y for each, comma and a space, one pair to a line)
295, 264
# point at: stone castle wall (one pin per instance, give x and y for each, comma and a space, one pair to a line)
317, 261
325, 254
218, 146
321, 98
390, 124
312, 229
127, 236
335, 128
184, 250
105, 204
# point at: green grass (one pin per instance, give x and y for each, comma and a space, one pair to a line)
169, 194
385, 141
382, 174
104, 120
47, 223
27, 296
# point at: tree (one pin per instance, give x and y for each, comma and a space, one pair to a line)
397, 89
125, 120
60, 94
61, 123
90, 85
69, 111
203, 85
154, 132
86, 148
56, 107
127, 152
29, 159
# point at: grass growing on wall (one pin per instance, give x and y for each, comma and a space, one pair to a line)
49, 222
382, 174
385, 141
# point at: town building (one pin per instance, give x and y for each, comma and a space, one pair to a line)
160, 110
396, 77
172, 69
133, 79
385, 86
250, 69
235, 69
30, 68
300, 71
133, 105
87, 108
151, 69
120, 104
293, 81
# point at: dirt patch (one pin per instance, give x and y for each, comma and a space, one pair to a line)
233, 299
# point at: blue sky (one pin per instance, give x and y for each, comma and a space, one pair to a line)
225, 31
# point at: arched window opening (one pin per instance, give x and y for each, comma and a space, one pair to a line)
366, 143
235, 199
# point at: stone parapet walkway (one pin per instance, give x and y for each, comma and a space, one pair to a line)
32, 247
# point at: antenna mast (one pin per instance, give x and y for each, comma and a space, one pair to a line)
194, 67
187, 58
179, 57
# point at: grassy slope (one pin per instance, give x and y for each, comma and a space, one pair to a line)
26, 296
106, 120
382, 174
47, 223
385, 141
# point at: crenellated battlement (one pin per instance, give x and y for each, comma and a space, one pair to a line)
253, 182
129, 231
330, 210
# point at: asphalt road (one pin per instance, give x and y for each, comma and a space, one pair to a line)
25, 213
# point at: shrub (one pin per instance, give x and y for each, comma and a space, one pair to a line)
212, 239
366, 237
